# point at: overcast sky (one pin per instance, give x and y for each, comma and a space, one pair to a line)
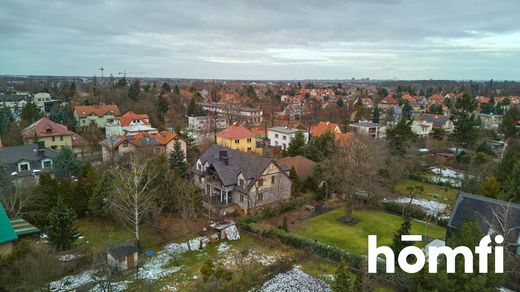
403, 39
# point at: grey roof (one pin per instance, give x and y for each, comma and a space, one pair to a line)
285, 130
438, 121
365, 125
469, 207
250, 165
123, 249
9, 156
14, 97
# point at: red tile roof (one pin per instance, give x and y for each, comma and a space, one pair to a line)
235, 131
389, 100
127, 118
84, 111
142, 139
324, 127
44, 127
408, 97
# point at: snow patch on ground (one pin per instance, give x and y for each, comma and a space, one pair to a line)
229, 259
295, 280
432, 208
447, 172
223, 247
67, 257
73, 282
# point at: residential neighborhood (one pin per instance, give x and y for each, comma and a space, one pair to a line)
227, 146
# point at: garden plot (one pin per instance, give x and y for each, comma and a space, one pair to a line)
295, 280
153, 269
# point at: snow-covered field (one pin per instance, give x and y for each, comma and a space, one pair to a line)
446, 175
295, 280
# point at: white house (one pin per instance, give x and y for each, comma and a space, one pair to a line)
282, 136
369, 129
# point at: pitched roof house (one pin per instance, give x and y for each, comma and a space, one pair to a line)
95, 114
302, 165
493, 217
238, 137
237, 181
116, 147
28, 160
324, 127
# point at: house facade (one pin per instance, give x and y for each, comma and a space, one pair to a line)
238, 137
374, 130
425, 124
27, 162
234, 181
116, 147
234, 112
95, 114
282, 136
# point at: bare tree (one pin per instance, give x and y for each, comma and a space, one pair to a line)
134, 194
353, 169
189, 201
15, 198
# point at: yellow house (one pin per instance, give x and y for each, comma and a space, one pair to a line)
239, 138
55, 136
98, 115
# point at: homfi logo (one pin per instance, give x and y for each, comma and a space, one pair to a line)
484, 249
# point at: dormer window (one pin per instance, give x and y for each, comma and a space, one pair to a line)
241, 183
23, 166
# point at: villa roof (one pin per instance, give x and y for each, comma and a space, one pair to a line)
234, 131
126, 119
44, 127
324, 127
83, 111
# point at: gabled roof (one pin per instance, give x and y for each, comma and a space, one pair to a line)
141, 139
29, 152
235, 131
250, 165
389, 100
44, 127
324, 127
406, 96
302, 165
470, 207
6, 229
83, 111
437, 120
126, 119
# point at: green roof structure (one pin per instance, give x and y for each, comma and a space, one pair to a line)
22, 227
6, 229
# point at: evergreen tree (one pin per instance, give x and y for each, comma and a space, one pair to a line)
508, 126
399, 137
176, 89
97, 203
165, 87
6, 118
177, 160
297, 145
397, 243
61, 230
134, 90
30, 113
285, 226
343, 278
512, 184
376, 115
490, 187
436, 109
192, 107
162, 106
466, 126
293, 176
66, 165
63, 114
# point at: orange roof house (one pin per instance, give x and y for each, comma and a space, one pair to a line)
95, 114
389, 100
118, 146
324, 127
237, 137
406, 96
44, 127
131, 117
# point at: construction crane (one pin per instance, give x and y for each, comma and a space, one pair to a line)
101, 69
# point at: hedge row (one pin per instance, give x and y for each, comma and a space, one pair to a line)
414, 212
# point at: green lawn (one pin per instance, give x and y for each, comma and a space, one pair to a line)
429, 191
354, 238
99, 234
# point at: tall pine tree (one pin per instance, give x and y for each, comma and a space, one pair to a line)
61, 230
397, 243
344, 280
177, 160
